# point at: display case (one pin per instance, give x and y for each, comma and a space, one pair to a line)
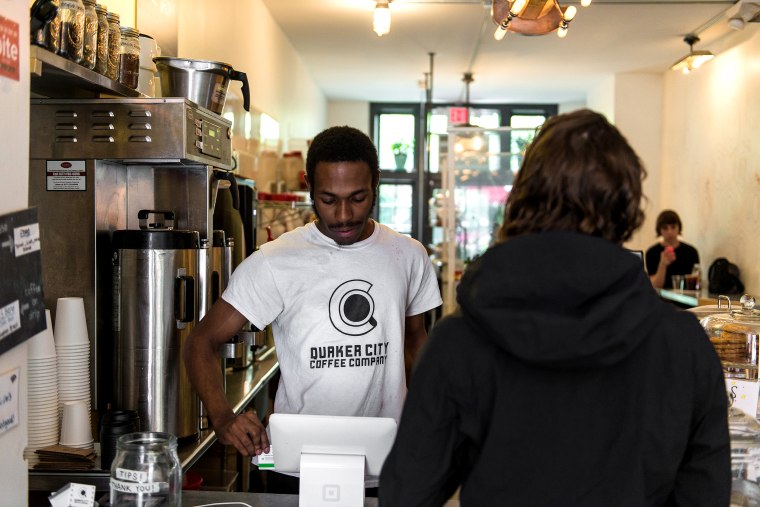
476, 178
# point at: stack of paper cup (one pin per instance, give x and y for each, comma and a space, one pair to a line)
42, 392
75, 425
72, 345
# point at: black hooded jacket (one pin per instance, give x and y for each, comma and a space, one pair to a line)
562, 381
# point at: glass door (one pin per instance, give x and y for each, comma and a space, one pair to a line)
477, 177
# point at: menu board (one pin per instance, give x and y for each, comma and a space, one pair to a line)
22, 309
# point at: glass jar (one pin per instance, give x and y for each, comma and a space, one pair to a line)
101, 53
736, 338
129, 57
90, 46
41, 36
114, 45
72, 29
146, 471
53, 31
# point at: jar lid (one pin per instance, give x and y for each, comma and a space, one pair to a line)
112, 16
129, 31
101, 9
88, 2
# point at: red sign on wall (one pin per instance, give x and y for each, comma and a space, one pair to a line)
9, 50
458, 115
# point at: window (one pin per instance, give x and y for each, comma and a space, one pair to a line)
412, 144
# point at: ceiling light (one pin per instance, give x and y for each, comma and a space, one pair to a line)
514, 10
694, 59
381, 21
532, 17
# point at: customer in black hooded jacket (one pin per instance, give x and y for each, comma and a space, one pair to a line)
563, 380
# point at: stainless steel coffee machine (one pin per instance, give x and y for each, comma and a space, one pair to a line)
96, 166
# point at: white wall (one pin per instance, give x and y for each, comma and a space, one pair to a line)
633, 102
349, 112
14, 179
711, 156
245, 36
638, 116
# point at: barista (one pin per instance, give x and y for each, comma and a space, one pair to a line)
345, 295
669, 256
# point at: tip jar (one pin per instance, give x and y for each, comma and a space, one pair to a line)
146, 471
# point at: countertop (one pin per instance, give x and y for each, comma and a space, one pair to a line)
693, 297
198, 498
242, 386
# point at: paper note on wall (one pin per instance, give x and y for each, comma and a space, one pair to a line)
9, 383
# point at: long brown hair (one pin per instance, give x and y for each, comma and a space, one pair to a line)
579, 174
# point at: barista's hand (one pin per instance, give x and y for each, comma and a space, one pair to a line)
245, 432
667, 256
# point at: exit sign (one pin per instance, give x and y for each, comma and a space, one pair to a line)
458, 115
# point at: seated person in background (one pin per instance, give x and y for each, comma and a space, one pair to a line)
670, 256
564, 380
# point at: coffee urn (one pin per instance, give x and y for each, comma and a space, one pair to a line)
156, 293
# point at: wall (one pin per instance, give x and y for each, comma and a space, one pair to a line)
711, 156
633, 102
349, 112
14, 179
638, 116
247, 37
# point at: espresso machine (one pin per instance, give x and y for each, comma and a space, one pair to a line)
125, 191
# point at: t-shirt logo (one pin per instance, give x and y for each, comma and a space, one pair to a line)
351, 308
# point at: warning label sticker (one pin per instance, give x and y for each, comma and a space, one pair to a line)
66, 175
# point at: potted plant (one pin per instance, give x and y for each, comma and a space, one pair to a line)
400, 152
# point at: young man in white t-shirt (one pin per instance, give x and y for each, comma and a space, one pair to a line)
345, 297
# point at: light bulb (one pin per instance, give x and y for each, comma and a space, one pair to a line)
518, 6
570, 13
381, 21
502, 30
585, 3
562, 32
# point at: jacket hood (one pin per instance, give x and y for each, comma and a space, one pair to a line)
560, 300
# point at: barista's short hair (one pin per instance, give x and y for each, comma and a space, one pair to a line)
579, 174
667, 217
342, 144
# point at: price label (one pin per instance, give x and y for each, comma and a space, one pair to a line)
743, 394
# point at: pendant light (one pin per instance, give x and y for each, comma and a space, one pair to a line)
694, 59
381, 20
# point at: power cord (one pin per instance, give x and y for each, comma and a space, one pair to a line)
224, 503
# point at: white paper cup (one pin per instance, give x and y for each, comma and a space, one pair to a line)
70, 322
42, 345
75, 423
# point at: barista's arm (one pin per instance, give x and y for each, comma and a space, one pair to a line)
203, 365
415, 337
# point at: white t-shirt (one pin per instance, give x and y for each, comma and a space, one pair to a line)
337, 314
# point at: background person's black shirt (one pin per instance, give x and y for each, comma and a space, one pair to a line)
686, 257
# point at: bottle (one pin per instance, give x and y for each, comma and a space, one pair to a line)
146, 471
129, 57
90, 46
114, 45
72, 29
101, 56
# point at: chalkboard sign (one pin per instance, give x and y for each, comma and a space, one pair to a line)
22, 309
